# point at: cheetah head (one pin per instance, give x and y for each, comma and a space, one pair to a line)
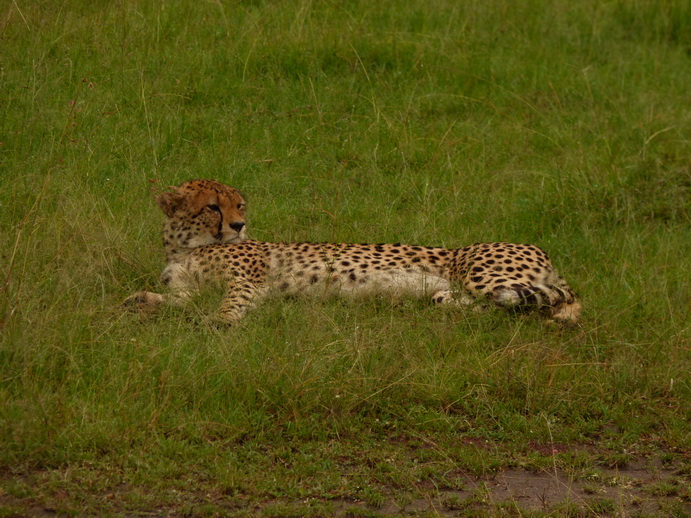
202, 212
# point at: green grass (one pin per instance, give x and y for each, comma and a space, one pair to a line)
563, 124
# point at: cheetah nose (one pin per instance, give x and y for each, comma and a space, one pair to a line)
237, 226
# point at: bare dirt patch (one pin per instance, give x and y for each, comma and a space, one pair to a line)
638, 489
643, 487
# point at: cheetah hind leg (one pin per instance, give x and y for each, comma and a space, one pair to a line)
457, 298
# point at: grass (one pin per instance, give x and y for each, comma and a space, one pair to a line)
561, 124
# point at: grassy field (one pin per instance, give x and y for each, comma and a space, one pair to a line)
434, 122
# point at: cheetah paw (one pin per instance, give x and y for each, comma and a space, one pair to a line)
143, 301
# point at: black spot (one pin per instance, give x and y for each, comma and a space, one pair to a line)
416, 259
477, 278
478, 269
314, 279
353, 277
284, 286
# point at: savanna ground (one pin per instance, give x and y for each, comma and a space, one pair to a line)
561, 123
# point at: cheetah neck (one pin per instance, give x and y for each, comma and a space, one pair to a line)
176, 241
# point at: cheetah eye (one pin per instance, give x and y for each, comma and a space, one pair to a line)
214, 208
241, 206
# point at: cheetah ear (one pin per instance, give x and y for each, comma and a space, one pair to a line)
169, 202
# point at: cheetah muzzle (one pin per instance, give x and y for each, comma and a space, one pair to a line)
204, 236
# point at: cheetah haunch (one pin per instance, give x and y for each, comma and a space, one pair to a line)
205, 241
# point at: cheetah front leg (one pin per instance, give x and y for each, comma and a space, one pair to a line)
180, 282
241, 295
149, 302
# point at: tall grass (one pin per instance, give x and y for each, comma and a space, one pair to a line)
439, 123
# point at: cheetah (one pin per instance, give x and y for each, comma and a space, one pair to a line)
205, 241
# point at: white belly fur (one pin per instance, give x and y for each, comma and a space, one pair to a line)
392, 283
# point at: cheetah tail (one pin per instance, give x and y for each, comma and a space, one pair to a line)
536, 295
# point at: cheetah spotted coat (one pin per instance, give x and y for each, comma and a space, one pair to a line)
205, 241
